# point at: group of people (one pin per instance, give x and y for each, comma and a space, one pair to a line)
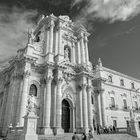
84, 136
99, 129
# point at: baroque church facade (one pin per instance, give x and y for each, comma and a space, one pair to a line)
53, 77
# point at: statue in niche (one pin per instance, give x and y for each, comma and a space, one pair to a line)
66, 53
32, 107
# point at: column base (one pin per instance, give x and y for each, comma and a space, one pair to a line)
59, 58
58, 131
47, 130
49, 57
82, 130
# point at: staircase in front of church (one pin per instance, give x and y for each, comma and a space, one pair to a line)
68, 136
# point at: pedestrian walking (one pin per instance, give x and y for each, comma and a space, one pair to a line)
75, 136
90, 135
84, 137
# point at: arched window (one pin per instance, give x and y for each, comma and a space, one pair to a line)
33, 90
92, 100
110, 78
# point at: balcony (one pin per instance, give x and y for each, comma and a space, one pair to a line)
113, 107
126, 108
136, 109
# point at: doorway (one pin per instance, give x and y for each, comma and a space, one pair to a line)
65, 115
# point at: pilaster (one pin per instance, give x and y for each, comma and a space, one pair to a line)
90, 121
58, 128
85, 107
24, 97
47, 103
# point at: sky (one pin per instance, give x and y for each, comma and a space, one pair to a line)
114, 26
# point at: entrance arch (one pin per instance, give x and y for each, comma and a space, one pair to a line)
65, 115
68, 119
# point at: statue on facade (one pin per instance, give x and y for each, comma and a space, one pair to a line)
31, 36
31, 105
66, 53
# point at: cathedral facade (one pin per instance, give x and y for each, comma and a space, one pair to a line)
53, 77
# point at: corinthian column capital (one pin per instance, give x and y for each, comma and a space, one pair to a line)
26, 74
83, 86
59, 80
89, 87
49, 79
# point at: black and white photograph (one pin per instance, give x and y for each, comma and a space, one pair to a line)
69, 69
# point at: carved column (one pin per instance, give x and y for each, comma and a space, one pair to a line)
50, 55
51, 36
79, 111
90, 121
82, 47
103, 106
47, 106
60, 50
59, 106
78, 53
99, 108
60, 38
24, 98
85, 107
73, 54
47, 40
86, 49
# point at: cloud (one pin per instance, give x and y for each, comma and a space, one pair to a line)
14, 24
111, 10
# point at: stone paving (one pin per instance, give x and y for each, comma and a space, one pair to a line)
96, 137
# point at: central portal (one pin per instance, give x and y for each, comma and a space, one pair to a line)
65, 116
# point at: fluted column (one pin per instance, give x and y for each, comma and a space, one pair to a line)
60, 53
24, 98
78, 53
73, 54
82, 47
86, 49
85, 111
99, 108
79, 111
51, 37
47, 40
59, 106
103, 107
90, 121
47, 106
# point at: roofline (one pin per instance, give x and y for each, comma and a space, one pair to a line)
120, 74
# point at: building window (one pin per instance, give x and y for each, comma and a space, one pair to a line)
127, 124
132, 85
122, 82
112, 102
33, 90
115, 123
92, 100
110, 78
124, 104
139, 124
136, 105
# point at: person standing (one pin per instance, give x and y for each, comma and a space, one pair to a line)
75, 136
90, 135
84, 137
98, 129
